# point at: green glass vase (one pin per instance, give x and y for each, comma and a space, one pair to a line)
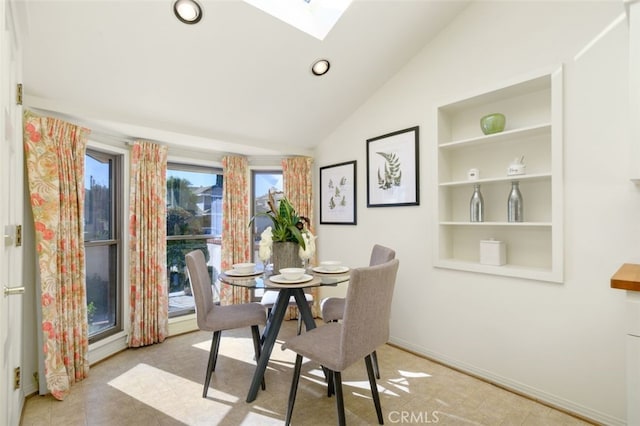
492, 123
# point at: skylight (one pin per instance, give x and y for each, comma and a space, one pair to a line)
314, 17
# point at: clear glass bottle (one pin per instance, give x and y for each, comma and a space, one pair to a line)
514, 204
476, 205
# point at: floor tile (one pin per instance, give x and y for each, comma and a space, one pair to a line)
161, 385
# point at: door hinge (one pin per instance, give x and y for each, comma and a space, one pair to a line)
18, 235
16, 378
19, 94
13, 235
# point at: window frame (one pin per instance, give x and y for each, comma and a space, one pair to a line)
117, 212
256, 294
254, 173
188, 165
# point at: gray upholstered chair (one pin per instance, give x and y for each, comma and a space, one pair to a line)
364, 327
211, 317
333, 307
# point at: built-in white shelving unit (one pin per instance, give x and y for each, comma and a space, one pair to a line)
533, 110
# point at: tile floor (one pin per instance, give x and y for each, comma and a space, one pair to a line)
162, 385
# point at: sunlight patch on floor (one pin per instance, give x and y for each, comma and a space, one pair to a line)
204, 345
402, 383
226, 340
162, 391
413, 374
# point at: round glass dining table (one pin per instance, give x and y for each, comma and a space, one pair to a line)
286, 291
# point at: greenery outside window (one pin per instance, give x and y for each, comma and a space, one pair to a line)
194, 222
262, 181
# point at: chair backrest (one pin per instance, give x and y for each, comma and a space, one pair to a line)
381, 254
200, 285
365, 324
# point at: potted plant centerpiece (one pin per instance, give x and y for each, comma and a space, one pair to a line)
288, 242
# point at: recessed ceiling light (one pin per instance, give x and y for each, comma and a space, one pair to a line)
320, 67
187, 11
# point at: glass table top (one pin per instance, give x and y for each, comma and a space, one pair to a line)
261, 280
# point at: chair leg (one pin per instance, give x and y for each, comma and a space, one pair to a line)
328, 377
255, 332
337, 384
294, 389
211, 365
299, 324
374, 360
215, 358
374, 388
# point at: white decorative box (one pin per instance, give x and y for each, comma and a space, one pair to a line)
493, 252
516, 169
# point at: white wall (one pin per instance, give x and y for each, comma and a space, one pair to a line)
563, 343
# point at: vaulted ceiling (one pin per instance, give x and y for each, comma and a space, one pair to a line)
238, 80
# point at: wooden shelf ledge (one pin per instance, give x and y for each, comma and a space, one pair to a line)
627, 277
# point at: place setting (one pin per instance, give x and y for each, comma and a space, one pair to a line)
331, 272
243, 270
330, 267
290, 277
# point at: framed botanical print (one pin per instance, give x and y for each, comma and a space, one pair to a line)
338, 194
393, 169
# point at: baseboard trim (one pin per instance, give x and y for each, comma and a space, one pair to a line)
583, 413
107, 347
182, 324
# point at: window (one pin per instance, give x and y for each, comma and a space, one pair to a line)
103, 239
262, 183
194, 221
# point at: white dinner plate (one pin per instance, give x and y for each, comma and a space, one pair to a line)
321, 270
234, 273
282, 280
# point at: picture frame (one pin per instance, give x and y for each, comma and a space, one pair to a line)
338, 191
393, 173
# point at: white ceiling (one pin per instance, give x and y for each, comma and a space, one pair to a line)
239, 80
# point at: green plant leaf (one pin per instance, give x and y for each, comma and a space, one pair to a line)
392, 171
287, 223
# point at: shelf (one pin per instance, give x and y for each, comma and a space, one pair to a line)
509, 90
521, 133
540, 274
515, 224
534, 249
531, 177
627, 277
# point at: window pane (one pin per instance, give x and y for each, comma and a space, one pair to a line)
194, 209
263, 182
97, 203
176, 265
180, 297
102, 243
194, 203
102, 300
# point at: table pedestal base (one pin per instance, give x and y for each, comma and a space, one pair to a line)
272, 329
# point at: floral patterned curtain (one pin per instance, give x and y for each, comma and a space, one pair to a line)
235, 224
297, 180
148, 244
54, 155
